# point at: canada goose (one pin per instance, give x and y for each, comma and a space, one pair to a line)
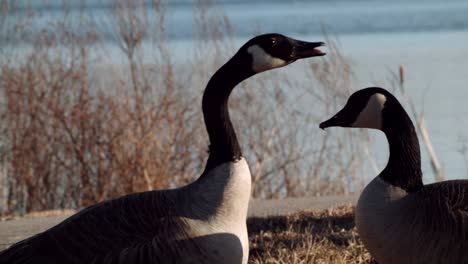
399, 219
203, 222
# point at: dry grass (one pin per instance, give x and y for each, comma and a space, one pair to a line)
307, 237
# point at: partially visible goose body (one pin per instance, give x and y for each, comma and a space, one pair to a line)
399, 219
203, 222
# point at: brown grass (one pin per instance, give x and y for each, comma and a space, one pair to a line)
307, 237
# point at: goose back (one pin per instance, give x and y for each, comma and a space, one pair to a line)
428, 226
155, 226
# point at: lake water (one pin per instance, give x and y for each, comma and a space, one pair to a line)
429, 37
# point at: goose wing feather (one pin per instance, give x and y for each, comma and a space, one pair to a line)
137, 228
437, 218
449, 196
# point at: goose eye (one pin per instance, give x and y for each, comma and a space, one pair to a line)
273, 41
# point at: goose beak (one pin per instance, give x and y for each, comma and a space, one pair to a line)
303, 49
335, 121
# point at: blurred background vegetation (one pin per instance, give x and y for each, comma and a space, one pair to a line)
77, 128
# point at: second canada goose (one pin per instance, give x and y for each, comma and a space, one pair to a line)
203, 222
399, 219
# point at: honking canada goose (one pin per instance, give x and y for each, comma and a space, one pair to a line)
203, 222
399, 219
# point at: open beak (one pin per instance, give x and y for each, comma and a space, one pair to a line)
303, 49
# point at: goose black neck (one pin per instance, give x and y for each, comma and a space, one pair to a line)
224, 146
404, 165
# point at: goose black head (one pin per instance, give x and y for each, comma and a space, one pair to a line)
364, 109
271, 51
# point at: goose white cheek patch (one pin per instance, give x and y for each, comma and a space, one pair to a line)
262, 61
371, 115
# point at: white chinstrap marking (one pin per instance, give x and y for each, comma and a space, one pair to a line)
262, 61
371, 115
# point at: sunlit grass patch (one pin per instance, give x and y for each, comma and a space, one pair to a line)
307, 237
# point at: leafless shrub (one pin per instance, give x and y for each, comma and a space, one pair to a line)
75, 132
340, 159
